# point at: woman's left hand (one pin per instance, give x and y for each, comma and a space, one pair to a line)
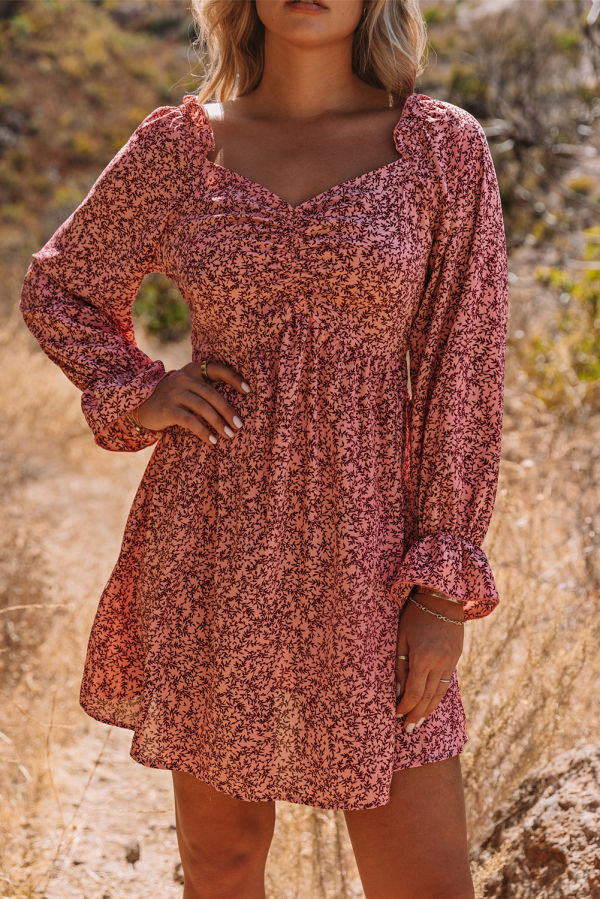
433, 647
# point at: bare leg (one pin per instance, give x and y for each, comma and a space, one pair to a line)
223, 842
416, 845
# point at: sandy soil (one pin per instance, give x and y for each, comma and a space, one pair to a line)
97, 807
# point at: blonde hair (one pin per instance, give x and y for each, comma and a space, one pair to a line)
388, 50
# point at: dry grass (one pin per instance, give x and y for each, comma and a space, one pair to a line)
529, 675
32, 617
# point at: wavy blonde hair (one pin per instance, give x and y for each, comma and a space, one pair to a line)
389, 47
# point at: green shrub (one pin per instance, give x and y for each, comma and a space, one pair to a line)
564, 365
160, 307
582, 184
433, 15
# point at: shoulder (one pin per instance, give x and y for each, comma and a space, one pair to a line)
154, 150
166, 129
446, 121
168, 141
455, 141
175, 129
198, 117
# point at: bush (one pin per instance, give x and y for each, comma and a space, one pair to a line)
564, 365
160, 307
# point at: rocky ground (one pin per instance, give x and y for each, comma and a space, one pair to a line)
549, 832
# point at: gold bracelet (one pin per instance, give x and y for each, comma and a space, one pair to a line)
437, 614
141, 429
419, 588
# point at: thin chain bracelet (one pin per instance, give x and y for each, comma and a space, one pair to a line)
437, 614
429, 590
141, 429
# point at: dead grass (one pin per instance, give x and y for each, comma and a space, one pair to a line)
31, 617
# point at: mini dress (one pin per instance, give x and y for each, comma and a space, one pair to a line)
247, 632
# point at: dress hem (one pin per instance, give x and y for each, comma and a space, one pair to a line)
163, 765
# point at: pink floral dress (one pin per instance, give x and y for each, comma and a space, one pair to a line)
247, 633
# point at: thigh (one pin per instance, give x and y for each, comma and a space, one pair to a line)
416, 845
219, 835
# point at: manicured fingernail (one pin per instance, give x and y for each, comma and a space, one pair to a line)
228, 431
409, 727
212, 438
245, 387
237, 421
419, 722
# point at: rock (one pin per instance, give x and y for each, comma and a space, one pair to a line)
132, 851
178, 873
548, 834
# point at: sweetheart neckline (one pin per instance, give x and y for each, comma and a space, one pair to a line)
277, 198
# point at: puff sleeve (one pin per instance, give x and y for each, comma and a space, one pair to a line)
79, 288
456, 353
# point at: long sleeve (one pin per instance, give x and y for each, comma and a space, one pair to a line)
456, 352
79, 288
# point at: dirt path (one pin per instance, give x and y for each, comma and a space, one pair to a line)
103, 825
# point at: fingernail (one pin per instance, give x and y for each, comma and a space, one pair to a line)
409, 727
212, 438
419, 722
245, 387
228, 431
237, 421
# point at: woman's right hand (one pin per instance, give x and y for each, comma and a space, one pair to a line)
187, 399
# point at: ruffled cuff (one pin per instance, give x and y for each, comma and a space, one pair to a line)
105, 406
454, 566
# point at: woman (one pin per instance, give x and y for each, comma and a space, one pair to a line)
333, 445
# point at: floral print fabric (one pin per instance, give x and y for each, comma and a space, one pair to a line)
247, 633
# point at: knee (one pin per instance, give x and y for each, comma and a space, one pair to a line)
221, 877
219, 869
